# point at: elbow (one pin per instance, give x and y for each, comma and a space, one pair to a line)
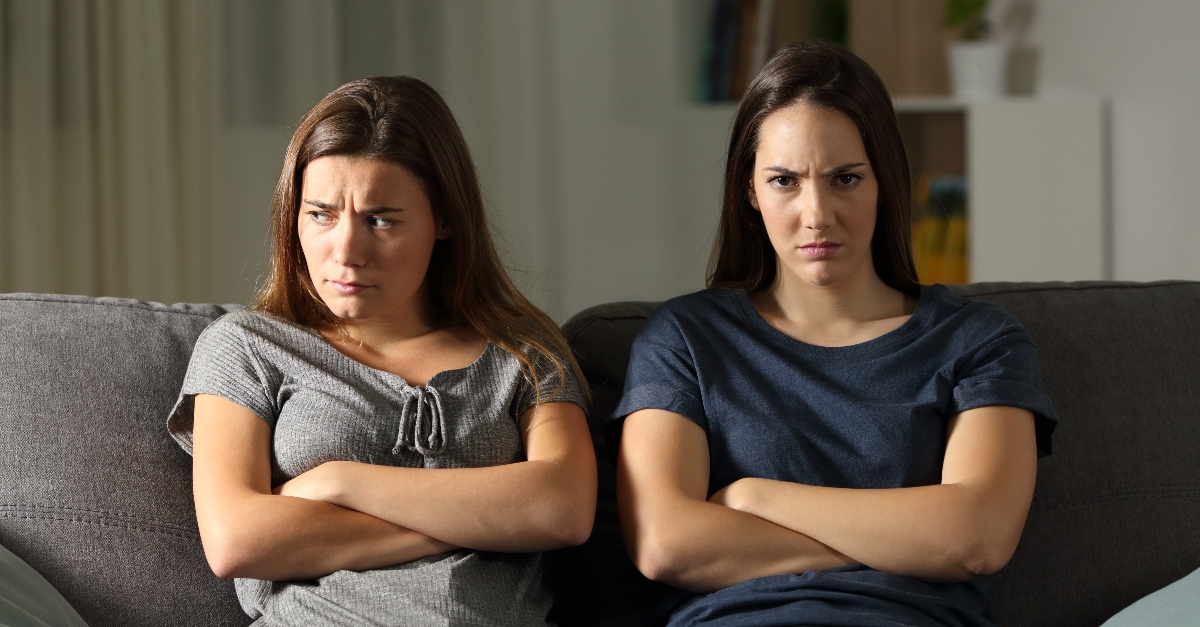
981, 556
575, 533
224, 560
226, 553
571, 524
654, 557
984, 560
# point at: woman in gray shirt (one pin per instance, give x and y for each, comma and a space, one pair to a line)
393, 433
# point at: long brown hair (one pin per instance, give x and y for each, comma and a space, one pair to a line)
828, 76
402, 120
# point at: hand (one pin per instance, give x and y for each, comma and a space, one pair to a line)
318, 484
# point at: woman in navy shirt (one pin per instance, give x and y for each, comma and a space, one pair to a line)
818, 439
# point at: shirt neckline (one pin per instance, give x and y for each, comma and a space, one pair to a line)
876, 344
388, 374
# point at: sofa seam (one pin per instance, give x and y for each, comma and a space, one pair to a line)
120, 524
12, 510
1082, 288
162, 307
1060, 504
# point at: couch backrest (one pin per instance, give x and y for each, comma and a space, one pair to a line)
93, 492
1117, 506
96, 496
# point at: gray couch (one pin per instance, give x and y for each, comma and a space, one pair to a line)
96, 496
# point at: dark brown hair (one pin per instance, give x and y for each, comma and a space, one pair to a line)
824, 75
402, 120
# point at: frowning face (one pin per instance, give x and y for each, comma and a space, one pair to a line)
817, 193
367, 231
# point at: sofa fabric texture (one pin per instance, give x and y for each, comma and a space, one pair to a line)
96, 496
91, 494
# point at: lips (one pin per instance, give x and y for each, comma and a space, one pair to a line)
348, 287
820, 249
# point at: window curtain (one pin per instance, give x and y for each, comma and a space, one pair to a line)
140, 140
105, 113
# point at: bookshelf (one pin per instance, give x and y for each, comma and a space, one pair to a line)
1035, 172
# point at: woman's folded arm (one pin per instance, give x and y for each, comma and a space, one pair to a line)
545, 502
249, 532
674, 535
965, 527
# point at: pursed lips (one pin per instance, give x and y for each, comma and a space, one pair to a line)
820, 249
348, 287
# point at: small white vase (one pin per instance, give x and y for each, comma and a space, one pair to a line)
977, 69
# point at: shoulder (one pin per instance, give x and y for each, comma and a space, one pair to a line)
972, 320
704, 312
252, 331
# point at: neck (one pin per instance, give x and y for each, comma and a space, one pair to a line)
380, 332
860, 298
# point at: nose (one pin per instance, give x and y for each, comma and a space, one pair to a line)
348, 245
816, 211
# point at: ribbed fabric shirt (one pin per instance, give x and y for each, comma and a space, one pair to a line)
324, 406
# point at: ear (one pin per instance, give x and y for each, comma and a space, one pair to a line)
443, 229
751, 196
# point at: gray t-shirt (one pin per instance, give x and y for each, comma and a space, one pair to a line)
324, 406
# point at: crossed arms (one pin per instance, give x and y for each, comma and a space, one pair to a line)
962, 528
354, 516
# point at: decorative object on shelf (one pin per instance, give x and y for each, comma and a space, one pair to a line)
978, 64
940, 229
1023, 58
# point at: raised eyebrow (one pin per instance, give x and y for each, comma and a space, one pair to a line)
841, 169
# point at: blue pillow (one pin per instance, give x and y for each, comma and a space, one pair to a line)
28, 600
1177, 604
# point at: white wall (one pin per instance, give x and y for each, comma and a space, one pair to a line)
602, 177
1145, 57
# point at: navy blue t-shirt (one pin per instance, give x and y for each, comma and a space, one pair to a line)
871, 415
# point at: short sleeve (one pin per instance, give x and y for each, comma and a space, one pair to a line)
555, 384
222, 364
662, 374
1005, 372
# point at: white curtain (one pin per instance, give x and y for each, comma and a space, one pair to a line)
140, 140
105, 113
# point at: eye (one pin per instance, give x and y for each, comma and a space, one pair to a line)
377, 221
847, 180
320, 217
782, 180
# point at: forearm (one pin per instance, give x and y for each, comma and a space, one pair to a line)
943, 532
964, 527
702, 546
284, 538
525, 506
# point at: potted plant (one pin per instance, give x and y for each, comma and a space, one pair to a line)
977, 63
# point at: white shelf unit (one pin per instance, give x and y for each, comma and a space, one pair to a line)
1037, 195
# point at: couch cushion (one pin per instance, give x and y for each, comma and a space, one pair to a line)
94, 494
1117, 505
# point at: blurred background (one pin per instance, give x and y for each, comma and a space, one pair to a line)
140, 140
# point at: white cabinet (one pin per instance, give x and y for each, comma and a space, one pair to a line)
1037, 176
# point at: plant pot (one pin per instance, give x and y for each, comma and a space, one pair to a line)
978, 69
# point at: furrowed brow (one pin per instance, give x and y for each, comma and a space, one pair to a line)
841, 169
